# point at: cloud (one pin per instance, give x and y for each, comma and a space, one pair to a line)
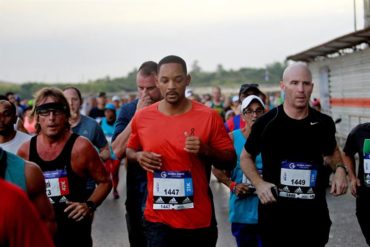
73, 40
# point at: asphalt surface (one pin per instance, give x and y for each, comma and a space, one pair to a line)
109, 229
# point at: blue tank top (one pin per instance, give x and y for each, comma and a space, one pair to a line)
242, 210
107, 128
14, 172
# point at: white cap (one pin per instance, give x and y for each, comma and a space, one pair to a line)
235, 98
188, 92
115, 97
247, 101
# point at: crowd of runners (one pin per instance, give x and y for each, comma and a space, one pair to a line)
60, 158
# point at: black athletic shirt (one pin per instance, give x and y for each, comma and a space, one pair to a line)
280, 138
354, 144
77, 185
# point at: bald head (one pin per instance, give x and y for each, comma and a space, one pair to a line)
297, 86
297, 69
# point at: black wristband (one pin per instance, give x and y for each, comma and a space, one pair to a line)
91, 205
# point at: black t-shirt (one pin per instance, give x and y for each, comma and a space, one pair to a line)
96, 113
354, 144
285, 143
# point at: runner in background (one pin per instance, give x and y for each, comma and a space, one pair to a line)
136, 181
243, 203
245, 90
358, 142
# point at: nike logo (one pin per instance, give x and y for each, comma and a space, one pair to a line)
313, 123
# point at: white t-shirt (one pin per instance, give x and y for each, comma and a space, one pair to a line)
14, 144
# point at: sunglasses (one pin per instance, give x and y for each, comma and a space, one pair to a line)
46, 112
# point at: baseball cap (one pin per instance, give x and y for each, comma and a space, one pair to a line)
116, 98
235, 98
188, 92
247, 101
253, 87
110, 106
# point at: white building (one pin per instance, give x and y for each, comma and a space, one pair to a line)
341, 73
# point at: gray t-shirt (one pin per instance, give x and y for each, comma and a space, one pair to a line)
90, 129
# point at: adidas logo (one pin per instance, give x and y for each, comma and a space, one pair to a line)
173, 200
51, 201
286, 189
299, 190
310, 191
187, 200
159, 200
63, 199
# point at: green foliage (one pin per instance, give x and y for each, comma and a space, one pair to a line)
268, 76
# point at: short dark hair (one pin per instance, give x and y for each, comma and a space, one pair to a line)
148, 68
9, 93
12, 106
173, 59
76, 90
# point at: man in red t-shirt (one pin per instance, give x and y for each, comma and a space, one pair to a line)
20, 224
176, 141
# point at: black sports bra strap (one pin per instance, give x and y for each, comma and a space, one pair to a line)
67, 151
3, 163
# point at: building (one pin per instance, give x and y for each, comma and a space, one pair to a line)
341, 72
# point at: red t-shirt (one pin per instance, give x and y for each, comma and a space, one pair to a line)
153, 131
20, 223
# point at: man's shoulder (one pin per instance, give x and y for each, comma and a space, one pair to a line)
87, 120
129, 106
128, 110
363, 129
319, 117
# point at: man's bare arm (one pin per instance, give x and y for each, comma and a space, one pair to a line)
149, 161
104, 152
350, 163
263, 188
119, 145
36, 191
88, 164
339, 182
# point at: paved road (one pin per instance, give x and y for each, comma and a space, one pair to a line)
110, 229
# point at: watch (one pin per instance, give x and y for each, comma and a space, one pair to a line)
91, 205
342, 166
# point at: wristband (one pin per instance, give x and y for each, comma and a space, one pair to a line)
342, 166
232, 186
91, 205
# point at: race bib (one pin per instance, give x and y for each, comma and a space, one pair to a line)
172, 190
56, 184
297, 180
367, 169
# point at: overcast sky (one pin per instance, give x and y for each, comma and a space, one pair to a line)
81, 40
